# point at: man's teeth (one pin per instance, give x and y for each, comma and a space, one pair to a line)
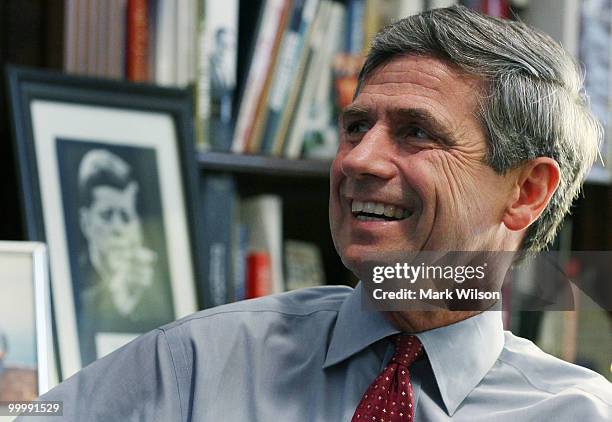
378, 208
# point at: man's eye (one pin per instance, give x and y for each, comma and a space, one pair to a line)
107, 215
357, 127
417, 132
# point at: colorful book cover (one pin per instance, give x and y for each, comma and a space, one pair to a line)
261, 65
286, 67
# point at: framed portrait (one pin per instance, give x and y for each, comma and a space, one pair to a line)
27, 363
108, 177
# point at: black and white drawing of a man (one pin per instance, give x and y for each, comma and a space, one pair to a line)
116, 240
111, 225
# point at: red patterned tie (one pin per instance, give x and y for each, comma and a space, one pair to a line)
389, 397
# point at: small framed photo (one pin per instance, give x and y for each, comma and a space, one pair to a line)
27, 362
108, 176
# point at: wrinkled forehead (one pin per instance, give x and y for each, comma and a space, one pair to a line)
422, 74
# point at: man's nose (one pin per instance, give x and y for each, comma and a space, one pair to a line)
371, 156
117, 223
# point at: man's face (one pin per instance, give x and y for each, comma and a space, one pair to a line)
411, 155
110, 224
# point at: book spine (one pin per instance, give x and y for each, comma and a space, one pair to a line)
240, 264
496, 8
255, 130
165, 72
258, 276
218, 199
202, 81
286, 68
355, 20
102, 48
137, 38
116, 39
220, 54
260, 67
437, 4
92, 36
312, 114
297, 83
70, 36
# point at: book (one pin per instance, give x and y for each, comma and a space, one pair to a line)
254, 131
286, 69
217, 73
116, 39
262, 63
102, 48
165, 42
239, 248
497, 8
92, 36
304, 265
71, 15
438, 4
258, 275
83, 34
595, 54
185, 48
218, 198
314, 111
137, 38
355, 15
318, 25
263, 215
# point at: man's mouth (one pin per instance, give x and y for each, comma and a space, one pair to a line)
378, 211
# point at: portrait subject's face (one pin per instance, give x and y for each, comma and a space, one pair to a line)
111, 223
409, 174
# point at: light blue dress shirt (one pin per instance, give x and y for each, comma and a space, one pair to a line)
310, 355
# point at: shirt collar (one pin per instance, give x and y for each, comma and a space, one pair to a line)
460, 354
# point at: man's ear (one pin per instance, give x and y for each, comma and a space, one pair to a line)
537, 181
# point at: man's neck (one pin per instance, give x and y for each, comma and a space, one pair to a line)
417, 321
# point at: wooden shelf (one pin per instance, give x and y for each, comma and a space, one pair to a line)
263, 165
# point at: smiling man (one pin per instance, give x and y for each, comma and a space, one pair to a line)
466, 133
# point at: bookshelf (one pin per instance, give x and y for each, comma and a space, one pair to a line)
302, 185
32, 33
264, 165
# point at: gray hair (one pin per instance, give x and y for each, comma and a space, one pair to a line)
533, 104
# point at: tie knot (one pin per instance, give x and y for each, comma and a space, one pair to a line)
407, 349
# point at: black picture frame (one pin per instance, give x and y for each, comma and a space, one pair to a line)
66, 128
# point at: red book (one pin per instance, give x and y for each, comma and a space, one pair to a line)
258, 276
497, 8
137, 41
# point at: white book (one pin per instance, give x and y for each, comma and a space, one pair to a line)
165, 45
185, 41
263, 57
409, 7
438, 4
263, 214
